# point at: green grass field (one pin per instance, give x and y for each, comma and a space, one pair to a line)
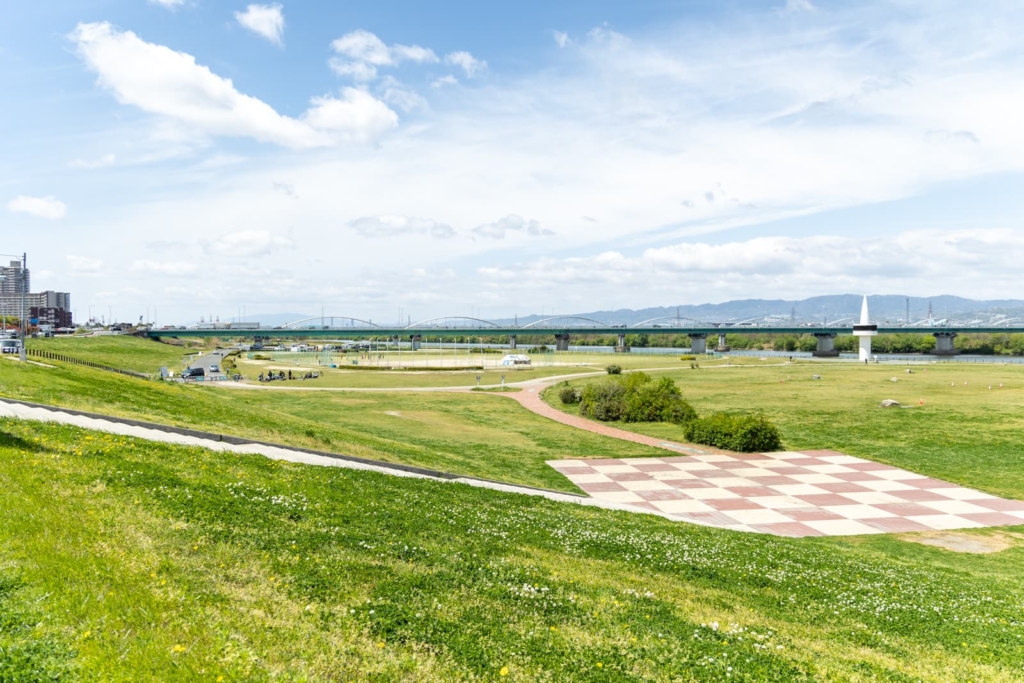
475, 433
969, 433
123, 560
119, 351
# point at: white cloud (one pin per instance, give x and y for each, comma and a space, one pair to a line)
511, 224
799, 6
470, 64
250, 243
264, 20
393, 226
362, 52
48, 207
165, 267
562, 38
169, 4
162, 81
444, 80
911, 262
84, 265
398, 95
101, 162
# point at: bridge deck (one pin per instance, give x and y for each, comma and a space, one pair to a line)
384, 332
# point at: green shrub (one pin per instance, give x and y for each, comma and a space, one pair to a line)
659, 401
687, 356
604, 400
741, 433
614, 369
569, 395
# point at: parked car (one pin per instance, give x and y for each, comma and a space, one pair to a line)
193, 372
10, 345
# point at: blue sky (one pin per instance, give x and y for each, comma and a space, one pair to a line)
197, 156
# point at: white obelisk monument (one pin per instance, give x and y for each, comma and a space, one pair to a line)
865, 330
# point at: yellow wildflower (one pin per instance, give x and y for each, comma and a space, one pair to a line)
504, 671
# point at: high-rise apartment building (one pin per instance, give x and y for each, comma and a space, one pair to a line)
11, 281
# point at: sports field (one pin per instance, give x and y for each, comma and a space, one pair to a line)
128, 560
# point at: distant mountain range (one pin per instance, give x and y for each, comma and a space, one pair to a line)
890, 309
884, 309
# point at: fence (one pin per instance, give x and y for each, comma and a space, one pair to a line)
50, 355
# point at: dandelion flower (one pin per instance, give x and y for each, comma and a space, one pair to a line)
504, 671
179, 648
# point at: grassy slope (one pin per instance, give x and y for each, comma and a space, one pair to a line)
967, 434
129, 561
116, 351
468, 433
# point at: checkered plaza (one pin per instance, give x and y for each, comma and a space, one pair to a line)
807, 493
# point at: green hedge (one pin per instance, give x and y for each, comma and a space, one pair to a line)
741, 433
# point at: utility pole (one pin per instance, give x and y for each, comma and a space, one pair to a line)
24, 286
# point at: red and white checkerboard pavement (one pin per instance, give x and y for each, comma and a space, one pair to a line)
810, 493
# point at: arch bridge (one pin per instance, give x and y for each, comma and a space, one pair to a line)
562, 328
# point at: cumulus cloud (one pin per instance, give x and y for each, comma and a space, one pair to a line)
48, 207
171, 84
784, 266
84, 265
264, 20
360, 53
561, 38
101, 162
250, 243
467, 62
392, 226
165, 267
511, 224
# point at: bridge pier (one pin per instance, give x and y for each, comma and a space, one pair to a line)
944, 344
620, 346
562, 342
512, 342
415, 341
698, 342
826, 345
722, 346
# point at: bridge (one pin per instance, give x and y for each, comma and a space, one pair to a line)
563, 328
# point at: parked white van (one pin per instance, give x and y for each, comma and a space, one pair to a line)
10, 345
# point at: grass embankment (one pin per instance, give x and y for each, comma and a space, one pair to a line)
123, 560
118, 351
472, 433
968, 434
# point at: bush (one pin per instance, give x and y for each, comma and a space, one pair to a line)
657, 402
569, 395
603, 400
741, 433
614, 369
688, 356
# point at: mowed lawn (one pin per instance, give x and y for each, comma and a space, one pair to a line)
963, 432
125, 560
119, 351
473, 433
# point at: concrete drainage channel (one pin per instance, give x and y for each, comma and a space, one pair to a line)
151, 431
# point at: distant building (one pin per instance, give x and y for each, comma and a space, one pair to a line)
41, 308
11, 281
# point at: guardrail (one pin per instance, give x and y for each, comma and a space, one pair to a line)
50, 355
